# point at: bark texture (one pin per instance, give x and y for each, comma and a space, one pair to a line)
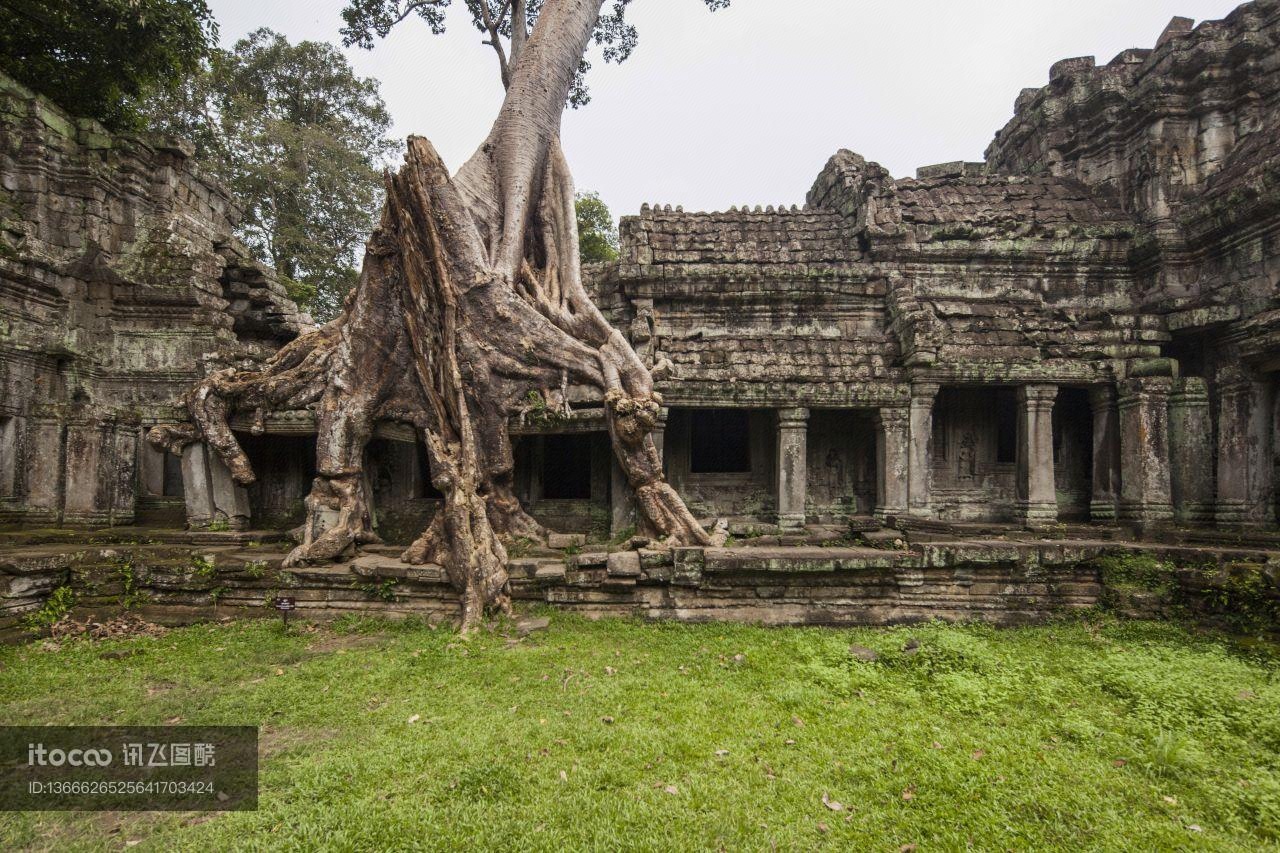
470, 297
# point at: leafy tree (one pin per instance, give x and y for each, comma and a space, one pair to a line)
597, 237
300, 141
104, 58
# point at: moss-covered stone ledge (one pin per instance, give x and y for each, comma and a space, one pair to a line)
992, 580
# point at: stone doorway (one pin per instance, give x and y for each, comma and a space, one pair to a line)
841, 464
1073, 453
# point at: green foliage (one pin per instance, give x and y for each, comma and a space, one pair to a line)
218, 525
1074, 735
521, 546
365, 21
57, 605
130, 595
105, 59
597, 236
537, 411
1133, 570
203, 567
300, 141
256, 568
383, 590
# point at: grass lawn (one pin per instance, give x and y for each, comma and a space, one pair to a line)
624, 735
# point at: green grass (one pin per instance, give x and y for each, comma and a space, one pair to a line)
623, 735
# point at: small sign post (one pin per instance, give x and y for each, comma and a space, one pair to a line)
285, 604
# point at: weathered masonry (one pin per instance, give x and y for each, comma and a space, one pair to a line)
1084, 328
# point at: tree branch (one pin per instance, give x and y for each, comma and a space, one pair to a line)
519, 29
495, 40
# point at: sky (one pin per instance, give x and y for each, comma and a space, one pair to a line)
745, 105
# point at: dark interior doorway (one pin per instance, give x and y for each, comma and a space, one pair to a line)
720, 441
566, 467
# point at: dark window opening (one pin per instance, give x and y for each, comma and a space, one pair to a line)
566, 467
172, 487
1006, 425
720, 441
939, 437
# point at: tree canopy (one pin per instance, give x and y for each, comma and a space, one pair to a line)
505, 25
104, 58
597, 236
300, 141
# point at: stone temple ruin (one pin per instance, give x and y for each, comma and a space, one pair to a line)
1078, 339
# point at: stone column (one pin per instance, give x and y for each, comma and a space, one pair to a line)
793, 468
893, 461
1037, 496
1106, 454
923, 395
1145, 488
151, 469
1245, 452
1191, 452
622, 501
659, 436
210, 493
43, 468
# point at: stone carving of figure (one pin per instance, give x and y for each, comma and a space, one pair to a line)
835, 471
967, 458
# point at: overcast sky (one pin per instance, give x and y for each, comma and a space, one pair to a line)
744, 106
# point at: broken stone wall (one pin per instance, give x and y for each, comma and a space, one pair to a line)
120, 284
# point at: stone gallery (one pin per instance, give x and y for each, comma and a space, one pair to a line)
1075, 341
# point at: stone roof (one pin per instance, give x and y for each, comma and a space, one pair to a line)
988, 206
764, 242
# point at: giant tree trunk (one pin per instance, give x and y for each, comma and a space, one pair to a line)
470, 297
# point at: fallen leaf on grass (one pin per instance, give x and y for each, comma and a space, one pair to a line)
832, 804
936, 745
909, 793
722, 752
564, 777
907, 848
1194, 827
978, 754
415, 718
822, 827
1173, 801
606, 720
1119, 762
671, 789
799, 722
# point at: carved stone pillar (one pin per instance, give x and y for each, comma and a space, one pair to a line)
1146, 492
923, 395
1106, 454
1037, 496
100, 479
211, 495
622, 501
1191, 452
1245, 452
793, 468
659, 436
893, 461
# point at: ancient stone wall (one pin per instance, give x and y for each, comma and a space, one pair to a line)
120, 283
